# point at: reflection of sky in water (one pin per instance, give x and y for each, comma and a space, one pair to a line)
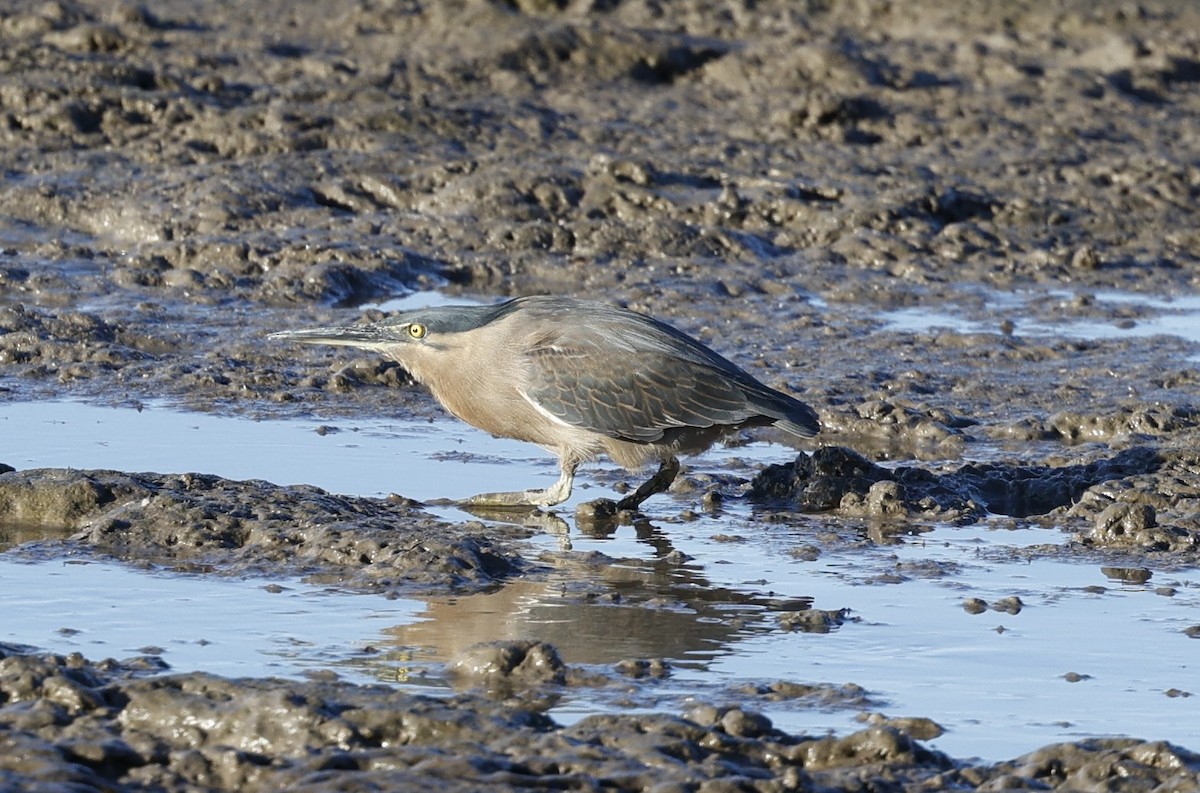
424, 300
1001, 692
1173, 317
227, 626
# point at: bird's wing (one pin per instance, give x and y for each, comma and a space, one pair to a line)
632, 394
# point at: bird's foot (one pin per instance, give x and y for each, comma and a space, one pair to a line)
605, 509
517, 499
557, 493
658, 483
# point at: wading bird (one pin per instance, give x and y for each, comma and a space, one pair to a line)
577, 377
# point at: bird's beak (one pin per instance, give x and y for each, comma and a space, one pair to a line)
345, 336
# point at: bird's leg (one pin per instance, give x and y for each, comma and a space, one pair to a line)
557, 493
656, 484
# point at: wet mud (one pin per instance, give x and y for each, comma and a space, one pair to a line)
193, 521
182, 178
77, 725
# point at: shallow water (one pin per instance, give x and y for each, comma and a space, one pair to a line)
371, 457
703, 593
231, 627
1178, 316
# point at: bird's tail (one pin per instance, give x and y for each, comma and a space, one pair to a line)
791, 415
806, 428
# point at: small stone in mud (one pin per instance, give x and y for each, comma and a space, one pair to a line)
643, 667
321, 675
805, 553
918, 727
823, 694
1009, 605
1125, 518
886, 499
518, 663
1075, 677
1085, 258
1176, 692
745, 724
601, 509
145, 663
975, 605
887, 578
731, 720
703, 713
812, 620
1132, 575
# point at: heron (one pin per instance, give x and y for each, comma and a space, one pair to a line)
579, 378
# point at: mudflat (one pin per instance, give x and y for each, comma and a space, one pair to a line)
966, 234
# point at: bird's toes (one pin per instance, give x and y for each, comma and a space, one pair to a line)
518, 500
604, 510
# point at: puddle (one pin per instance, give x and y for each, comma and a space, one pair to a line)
1178, 316
231, 627
369, 457
704, 594
995, 680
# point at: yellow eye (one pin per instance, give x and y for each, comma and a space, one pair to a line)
417, 330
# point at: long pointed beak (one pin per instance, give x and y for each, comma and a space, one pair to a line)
345, 336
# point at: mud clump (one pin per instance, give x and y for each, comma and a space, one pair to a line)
508, 665
821, 694
1080, 765
194, 520
1118, 528
813, 620
840, 480
198, 731
1151, 512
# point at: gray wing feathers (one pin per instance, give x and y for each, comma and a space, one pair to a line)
638, 385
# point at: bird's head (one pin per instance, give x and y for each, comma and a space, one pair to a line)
418, 340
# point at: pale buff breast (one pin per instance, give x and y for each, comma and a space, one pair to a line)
478, 378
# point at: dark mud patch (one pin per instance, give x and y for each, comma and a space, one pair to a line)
1141, 501
835, 478
197, 731
198, 522
729, 171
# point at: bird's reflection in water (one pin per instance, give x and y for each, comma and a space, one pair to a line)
601, 610
526, 517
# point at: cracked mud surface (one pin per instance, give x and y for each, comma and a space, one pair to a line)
182, 179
